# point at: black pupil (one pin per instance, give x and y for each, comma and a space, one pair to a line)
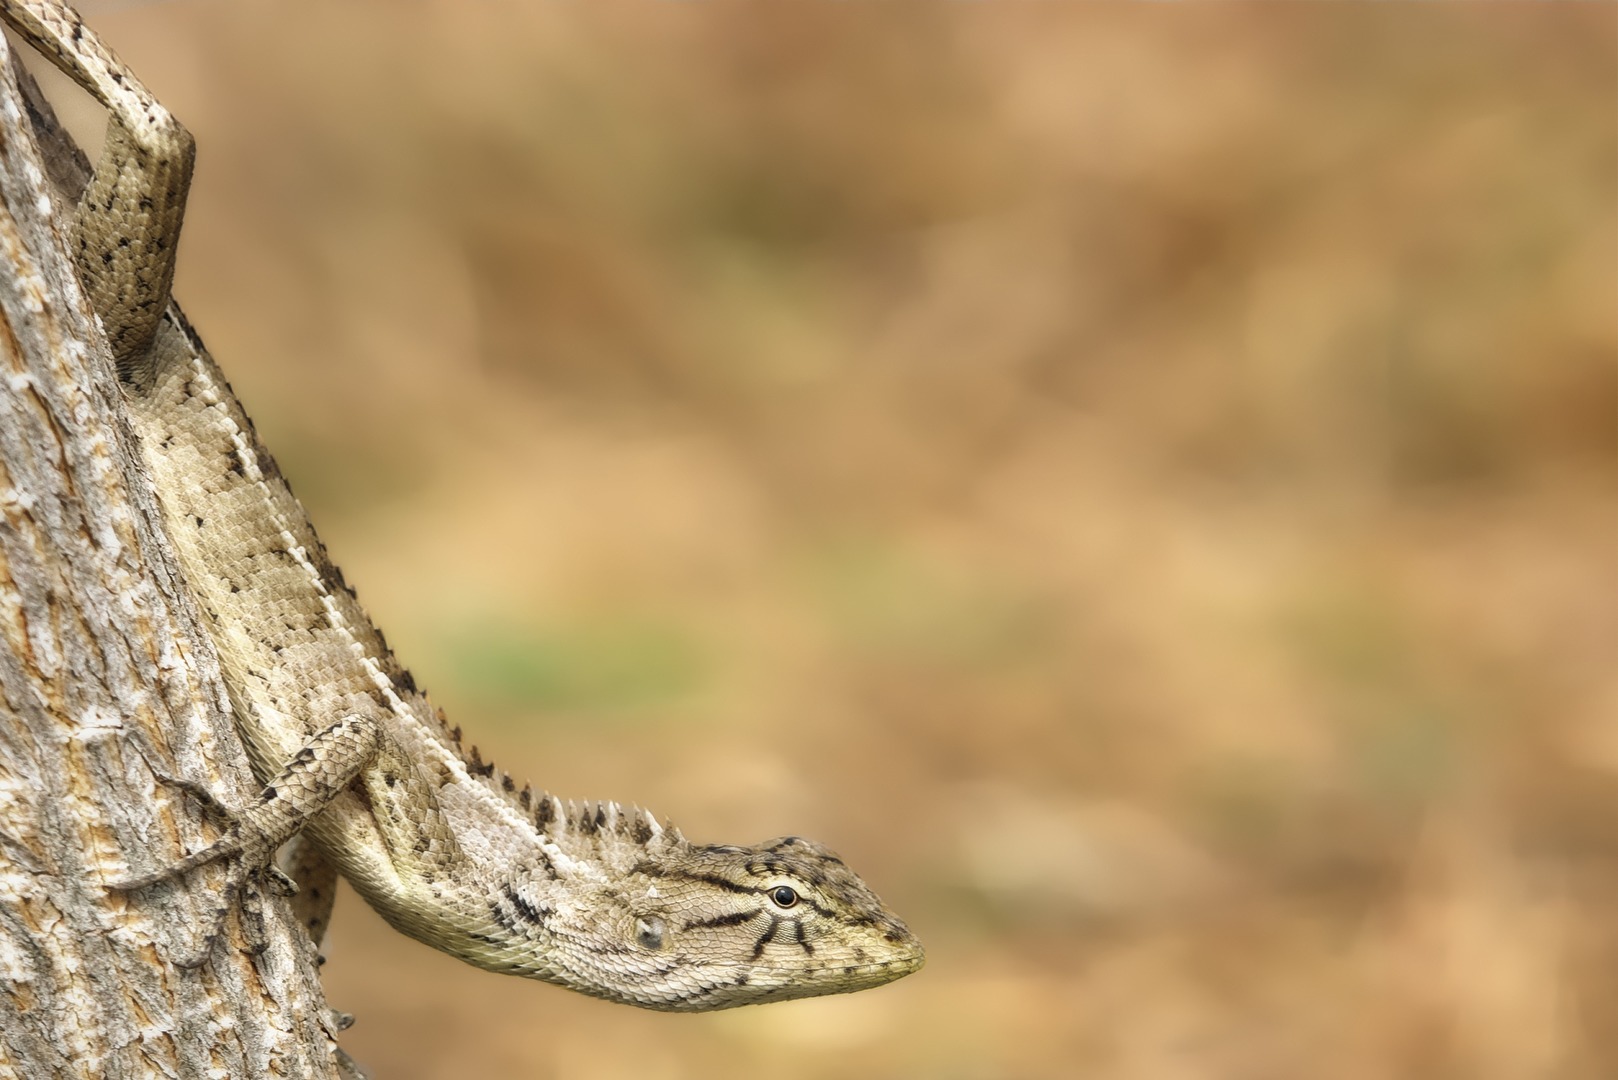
784, 896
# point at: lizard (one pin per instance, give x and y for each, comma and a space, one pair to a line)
605, 899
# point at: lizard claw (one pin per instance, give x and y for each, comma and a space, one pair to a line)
200, 958
279, 881
210, 940
211, 804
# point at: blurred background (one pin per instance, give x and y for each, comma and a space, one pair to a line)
1140, 482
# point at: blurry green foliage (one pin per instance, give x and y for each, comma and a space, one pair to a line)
607, 665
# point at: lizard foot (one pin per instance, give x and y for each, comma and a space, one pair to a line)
242, 879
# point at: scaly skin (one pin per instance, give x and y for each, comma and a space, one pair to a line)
601, 899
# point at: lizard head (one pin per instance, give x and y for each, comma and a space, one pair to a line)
692, 928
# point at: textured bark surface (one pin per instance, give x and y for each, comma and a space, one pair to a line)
105, 678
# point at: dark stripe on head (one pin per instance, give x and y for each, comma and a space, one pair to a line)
735, 918
707, 879
766, 937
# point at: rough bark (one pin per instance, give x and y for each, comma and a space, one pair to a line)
106, 679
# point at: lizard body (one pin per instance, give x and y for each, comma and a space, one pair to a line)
600, 898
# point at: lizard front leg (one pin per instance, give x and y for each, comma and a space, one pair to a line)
315, 776
128, 218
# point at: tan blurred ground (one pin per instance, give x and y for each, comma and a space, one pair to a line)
1140, 482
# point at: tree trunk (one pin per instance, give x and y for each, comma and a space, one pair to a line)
107, 679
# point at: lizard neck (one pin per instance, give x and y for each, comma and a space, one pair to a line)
604, 841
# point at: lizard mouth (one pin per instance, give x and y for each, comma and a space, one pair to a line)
832, 978
881, 970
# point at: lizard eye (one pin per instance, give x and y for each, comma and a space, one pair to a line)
784, 896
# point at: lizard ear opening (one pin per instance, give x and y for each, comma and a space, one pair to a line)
649, 931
